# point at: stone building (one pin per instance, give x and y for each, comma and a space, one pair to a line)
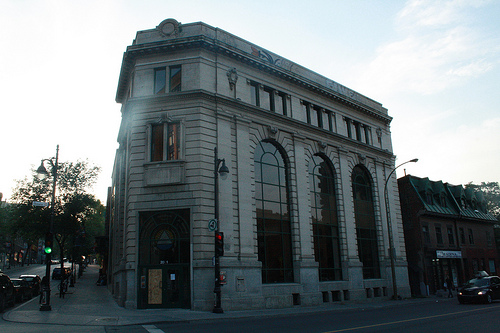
302, 209
448, 232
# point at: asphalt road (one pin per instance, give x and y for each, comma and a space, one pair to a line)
441, 316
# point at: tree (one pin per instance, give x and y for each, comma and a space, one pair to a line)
491, 192
75, 211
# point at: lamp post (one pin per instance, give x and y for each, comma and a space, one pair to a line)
389, 231
41, 174
223, 171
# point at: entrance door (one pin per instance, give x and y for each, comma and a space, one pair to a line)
164, 260
164, 286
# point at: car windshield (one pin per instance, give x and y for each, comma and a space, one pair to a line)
478, 283
29, 279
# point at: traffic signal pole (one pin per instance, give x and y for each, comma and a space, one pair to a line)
45, 303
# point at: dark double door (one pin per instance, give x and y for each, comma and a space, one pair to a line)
164, 260
165, 286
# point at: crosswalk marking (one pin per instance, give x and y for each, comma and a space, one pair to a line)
152, 329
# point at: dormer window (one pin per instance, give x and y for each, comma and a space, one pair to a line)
442, 199
428, 198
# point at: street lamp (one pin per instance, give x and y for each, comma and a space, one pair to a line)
218, 239
42, 174
389, 231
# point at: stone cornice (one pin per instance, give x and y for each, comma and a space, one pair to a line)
333, 91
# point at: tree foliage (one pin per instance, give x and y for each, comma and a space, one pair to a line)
491, 192
76, 211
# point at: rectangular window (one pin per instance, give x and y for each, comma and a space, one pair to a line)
175, 78
471, 237
348, 123
173, 143
280, 103
254, 93
157, 142
160, 151
307, 110
267, 99
493, 269
330, 122
451, 238
489, 239
427, 236
439, 235
357, 126
462, 235
318, 114
160, 80
367, 134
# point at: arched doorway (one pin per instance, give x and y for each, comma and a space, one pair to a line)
164, 258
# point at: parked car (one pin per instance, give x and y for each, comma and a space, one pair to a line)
7, 296
22, 290
481, 289
56, 273
34, 282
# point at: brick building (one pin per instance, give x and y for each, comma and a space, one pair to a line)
302, 209
447, 231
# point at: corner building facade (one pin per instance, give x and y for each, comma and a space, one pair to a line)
302, 209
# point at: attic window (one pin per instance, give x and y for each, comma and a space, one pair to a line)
464, 203
442, 199
428, 198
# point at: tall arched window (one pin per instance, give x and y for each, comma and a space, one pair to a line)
324, 219
366, 230
274, 235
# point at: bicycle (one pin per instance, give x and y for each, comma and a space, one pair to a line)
63, 287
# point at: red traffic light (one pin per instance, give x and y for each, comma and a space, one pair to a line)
219, 244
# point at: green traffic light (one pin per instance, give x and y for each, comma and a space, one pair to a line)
48, 250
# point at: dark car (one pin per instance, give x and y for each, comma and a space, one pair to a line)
7, 296
481, 289
22, 290
34, 282
56, 273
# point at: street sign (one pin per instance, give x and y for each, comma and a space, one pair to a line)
40, 204
212, 225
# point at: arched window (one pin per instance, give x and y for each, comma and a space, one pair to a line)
274, 235
366, 230
324, 219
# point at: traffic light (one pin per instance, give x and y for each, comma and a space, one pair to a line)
48, 243
219, 244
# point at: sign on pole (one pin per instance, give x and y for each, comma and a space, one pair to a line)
40, 204
212, 225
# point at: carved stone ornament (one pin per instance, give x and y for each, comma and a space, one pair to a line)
168, 27
321, 145
272, 131
232, 77
362, 158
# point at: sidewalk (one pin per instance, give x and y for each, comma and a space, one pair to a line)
91, 305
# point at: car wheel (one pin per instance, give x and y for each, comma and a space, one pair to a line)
488, 298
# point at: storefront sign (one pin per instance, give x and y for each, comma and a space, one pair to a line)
449, 254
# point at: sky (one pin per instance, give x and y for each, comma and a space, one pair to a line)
435, 65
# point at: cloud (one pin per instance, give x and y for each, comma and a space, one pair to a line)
438, 48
